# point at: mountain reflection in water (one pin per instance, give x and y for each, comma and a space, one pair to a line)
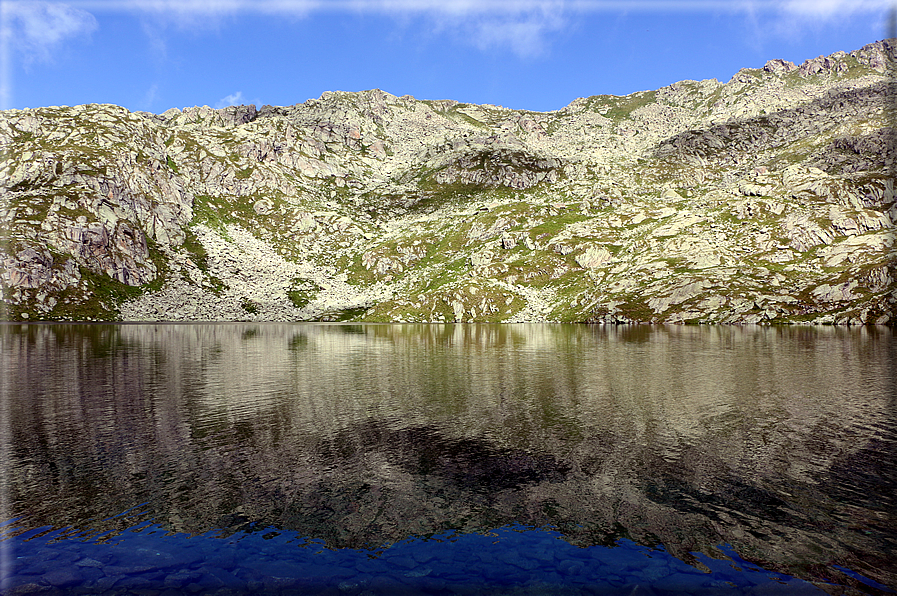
777, 441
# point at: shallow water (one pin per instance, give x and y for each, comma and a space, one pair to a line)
440, 459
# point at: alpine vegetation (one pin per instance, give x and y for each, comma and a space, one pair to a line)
766, 199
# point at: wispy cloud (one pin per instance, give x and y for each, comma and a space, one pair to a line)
37, 29
829, 9
231, 100
791, 19
524, 27
34, 30
157, 44
525, 36
235, 99
472, 8
150, 97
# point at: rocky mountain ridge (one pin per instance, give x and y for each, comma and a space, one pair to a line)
766, 199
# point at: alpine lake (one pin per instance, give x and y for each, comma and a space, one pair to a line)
438, 459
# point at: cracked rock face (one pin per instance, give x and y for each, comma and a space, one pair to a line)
765, 199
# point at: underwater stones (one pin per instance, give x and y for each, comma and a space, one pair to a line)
62, 578
26, 588
180, 578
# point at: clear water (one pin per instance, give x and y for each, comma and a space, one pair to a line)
447, 459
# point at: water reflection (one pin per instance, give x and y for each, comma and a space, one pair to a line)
778, 441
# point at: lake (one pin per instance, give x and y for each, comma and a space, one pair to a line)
344, 459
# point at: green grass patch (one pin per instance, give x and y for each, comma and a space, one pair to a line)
617, 107
208, 211
636, 309
347, 314
555, 225
99, 298
303, 292
447, 273
194, 247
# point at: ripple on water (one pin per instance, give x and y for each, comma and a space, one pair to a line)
778, 442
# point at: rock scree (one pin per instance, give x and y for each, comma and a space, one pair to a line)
765, 199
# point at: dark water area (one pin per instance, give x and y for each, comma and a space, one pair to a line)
447, 459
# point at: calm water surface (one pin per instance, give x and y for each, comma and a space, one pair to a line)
444, 459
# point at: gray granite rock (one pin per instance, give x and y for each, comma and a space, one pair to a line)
369, 206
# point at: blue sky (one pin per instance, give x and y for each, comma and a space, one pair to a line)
527, 54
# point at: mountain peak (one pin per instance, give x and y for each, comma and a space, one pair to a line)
766, 199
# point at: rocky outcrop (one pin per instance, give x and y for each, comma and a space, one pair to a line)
765, 199
498, 168
879, 56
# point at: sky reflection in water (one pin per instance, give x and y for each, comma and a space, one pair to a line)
777, 441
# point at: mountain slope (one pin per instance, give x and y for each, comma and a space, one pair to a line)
769, 198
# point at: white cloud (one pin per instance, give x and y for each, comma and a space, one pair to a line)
235, 99
524, 27
521, 26
525, 37
231, 100
473, 8
791, 19
827, 9
157, 44
37, 29
525, 34
150, 97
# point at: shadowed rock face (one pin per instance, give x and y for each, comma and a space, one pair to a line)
778, 441
498, 168
766, 199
